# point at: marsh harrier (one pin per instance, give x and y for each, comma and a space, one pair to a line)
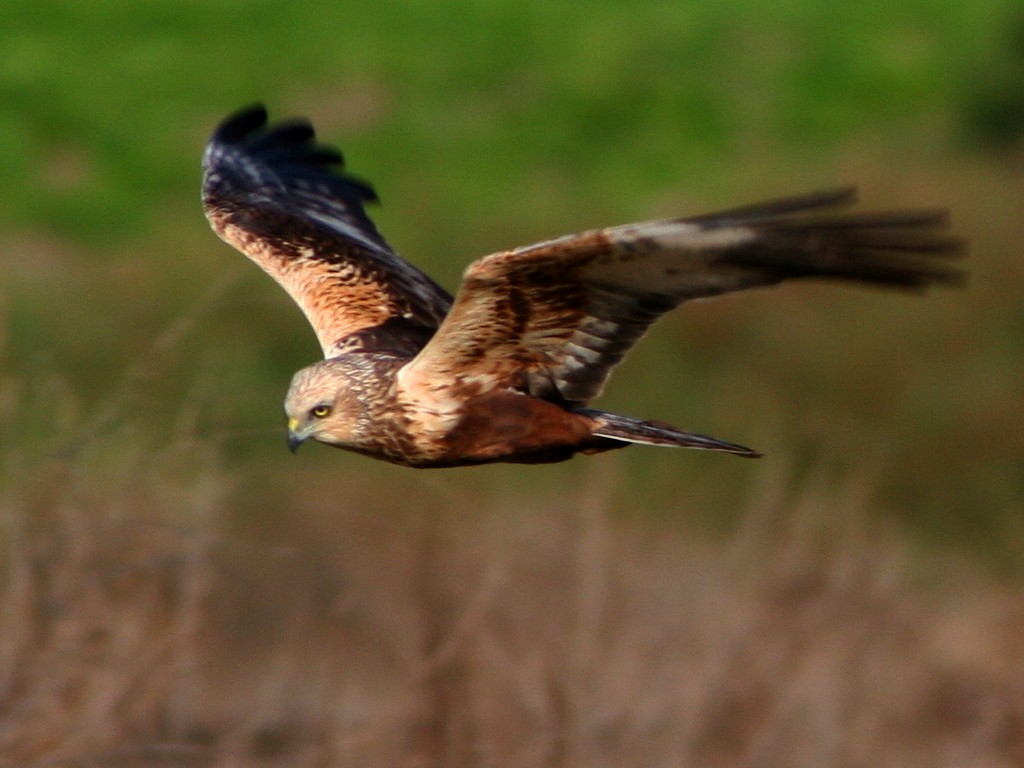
505, 371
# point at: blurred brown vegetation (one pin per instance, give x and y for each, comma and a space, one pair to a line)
150, 627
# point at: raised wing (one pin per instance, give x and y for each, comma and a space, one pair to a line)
554, 318
281, 199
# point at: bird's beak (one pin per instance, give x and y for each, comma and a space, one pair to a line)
295, 438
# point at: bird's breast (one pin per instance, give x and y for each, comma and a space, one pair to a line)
503, 425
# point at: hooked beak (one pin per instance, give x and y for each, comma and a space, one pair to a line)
295, 438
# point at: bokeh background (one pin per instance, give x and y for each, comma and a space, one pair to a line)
178, 590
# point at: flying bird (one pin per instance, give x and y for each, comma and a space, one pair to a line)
506, 370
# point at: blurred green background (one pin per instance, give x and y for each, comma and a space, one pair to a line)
130, 328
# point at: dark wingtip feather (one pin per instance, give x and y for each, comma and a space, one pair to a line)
241, 123
805, 236
284, 135
290, 146
905, 250
826, 198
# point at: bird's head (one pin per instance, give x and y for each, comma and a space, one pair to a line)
320, 405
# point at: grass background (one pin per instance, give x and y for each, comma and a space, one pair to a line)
490, 124
142, 362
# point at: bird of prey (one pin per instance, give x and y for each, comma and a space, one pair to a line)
506, 370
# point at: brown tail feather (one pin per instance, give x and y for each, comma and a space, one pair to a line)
630, 430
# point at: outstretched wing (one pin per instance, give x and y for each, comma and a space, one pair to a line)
281, 199
554, 318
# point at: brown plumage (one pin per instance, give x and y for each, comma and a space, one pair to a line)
505, 371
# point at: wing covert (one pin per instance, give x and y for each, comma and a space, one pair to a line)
282, 199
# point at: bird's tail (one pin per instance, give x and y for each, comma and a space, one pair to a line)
629, 430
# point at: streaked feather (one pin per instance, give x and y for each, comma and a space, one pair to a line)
283, 200
556, 317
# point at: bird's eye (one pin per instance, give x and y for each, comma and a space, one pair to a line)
319, 411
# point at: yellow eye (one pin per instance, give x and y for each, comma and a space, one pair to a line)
319, 411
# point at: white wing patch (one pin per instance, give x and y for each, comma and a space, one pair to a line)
347, 230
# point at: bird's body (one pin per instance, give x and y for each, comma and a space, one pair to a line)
370, 412
373, 416
505, 371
